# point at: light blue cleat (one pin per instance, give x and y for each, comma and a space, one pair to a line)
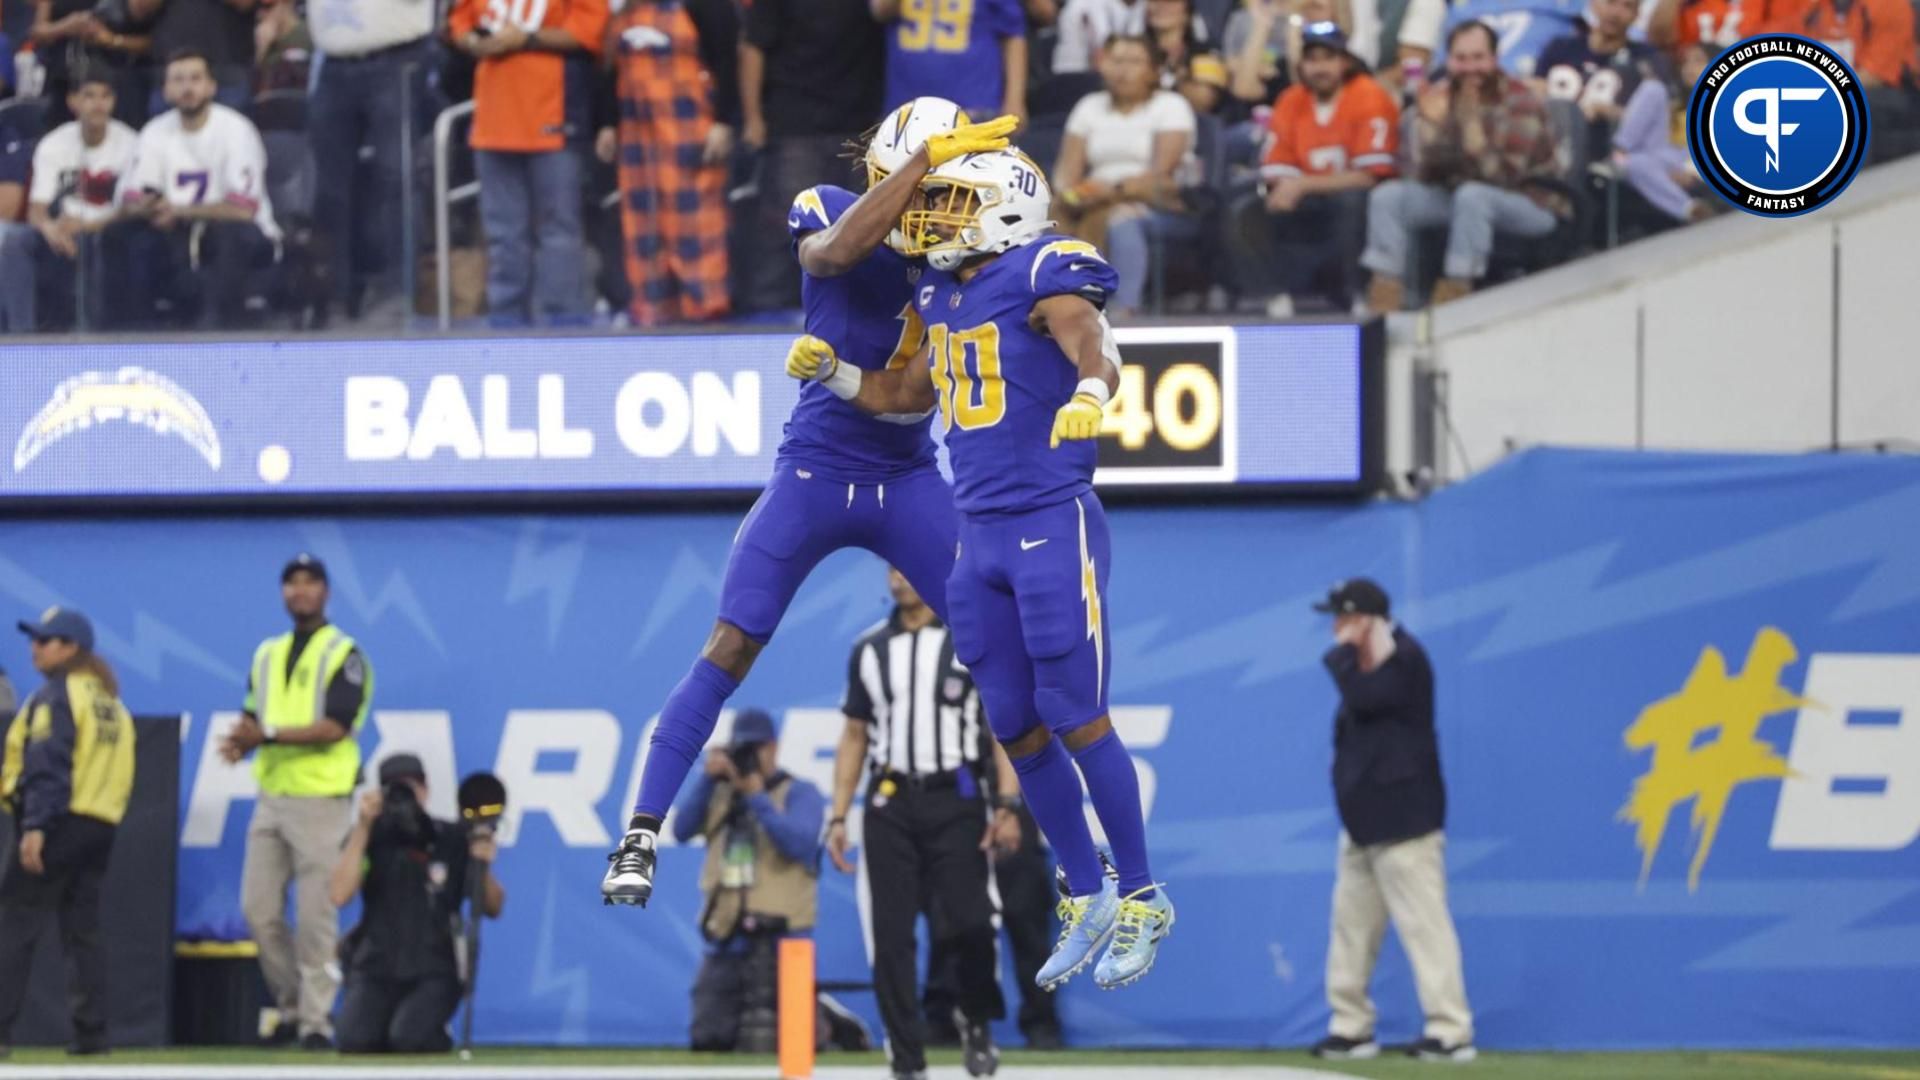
1138, 927
1086, 923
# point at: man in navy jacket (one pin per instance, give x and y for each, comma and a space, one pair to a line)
1393, 805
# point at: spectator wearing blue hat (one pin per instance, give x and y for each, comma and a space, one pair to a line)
65, 777
761, 879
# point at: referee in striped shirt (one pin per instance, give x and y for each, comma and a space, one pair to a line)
916, 729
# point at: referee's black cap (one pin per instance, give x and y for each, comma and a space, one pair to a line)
304, 562
1355, 596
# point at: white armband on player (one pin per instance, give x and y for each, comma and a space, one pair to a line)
842, 380
1109, 347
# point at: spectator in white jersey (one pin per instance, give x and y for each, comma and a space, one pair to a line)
76, 170
199, 185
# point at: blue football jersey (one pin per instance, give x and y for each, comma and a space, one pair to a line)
1524, 27
952, 50
867, 316
1000, 382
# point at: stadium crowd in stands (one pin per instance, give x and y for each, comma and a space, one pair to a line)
223, 163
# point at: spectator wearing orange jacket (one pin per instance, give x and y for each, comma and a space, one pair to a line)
532, 91
1716, 24
1876, 37
1334, 135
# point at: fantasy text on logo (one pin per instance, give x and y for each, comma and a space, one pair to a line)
1778, 125
1850, 782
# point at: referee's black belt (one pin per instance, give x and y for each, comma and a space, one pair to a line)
939, 781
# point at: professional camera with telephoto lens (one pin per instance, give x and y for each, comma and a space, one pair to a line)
401, 816
746, 759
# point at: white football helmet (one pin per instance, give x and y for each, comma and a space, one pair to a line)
980, 204
905, 131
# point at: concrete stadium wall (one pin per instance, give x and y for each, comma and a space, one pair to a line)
1739, 334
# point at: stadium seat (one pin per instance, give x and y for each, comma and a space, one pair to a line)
280, 110
1041, 141
26, 117
1060, 93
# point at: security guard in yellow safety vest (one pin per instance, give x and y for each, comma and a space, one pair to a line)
307, 695
65, 775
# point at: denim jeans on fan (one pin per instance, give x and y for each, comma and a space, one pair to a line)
1474, 213
530, 210
17, 265
43, 291
356, 101
1130, 250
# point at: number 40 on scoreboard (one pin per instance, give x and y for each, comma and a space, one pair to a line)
1172, 420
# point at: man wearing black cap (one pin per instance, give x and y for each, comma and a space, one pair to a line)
1386, 781
307, 695
403, 981
761, 879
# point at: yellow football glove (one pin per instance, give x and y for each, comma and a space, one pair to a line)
971, 139
1078, 419
810, 358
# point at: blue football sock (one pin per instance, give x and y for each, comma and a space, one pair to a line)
1115, 789
686, 722
1051, 786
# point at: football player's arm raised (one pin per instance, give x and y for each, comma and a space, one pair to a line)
841, 246
854, 235
895, 391
1076, 326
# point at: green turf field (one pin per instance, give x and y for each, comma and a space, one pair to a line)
1715, 1065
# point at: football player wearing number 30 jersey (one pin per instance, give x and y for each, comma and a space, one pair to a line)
1022, 366
841, 478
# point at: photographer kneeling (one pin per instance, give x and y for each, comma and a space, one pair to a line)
761, 880
403, 983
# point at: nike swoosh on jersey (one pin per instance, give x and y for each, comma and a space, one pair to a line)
1029, 545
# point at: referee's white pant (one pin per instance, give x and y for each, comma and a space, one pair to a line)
1406, 881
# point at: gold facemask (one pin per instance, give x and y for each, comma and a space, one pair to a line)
949, 219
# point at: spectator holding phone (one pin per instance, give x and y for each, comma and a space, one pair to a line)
199, 185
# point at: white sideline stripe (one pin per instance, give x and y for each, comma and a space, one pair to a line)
624, 1072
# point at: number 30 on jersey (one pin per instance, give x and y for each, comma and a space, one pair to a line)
966, 375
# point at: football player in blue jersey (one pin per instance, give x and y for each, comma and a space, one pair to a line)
1022, 365
841, 478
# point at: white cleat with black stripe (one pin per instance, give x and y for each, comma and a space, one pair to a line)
629, 877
